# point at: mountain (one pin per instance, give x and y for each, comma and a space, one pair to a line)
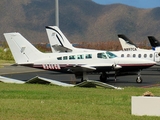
80, 20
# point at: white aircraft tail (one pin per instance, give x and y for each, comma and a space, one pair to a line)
58, 41
22, 50
127, 45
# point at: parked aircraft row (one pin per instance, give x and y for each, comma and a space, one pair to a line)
133, 51
59, 41
66, 58
128, 45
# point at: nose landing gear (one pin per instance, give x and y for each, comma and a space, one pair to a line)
139, 79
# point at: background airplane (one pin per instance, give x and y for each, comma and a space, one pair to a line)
154, 43
59, 42
131, 50
127, 44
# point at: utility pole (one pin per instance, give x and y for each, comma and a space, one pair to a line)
57, 13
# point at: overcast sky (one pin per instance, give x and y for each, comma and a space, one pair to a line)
135, 3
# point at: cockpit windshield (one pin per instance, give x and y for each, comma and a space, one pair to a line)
110, 55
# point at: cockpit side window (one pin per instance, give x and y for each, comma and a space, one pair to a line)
101, 55
59, 58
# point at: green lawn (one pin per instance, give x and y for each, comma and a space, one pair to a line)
48, 102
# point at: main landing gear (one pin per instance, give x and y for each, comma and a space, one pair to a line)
104, 76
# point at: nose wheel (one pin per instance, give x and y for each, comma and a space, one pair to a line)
139, 80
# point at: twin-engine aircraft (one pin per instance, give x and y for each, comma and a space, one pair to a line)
79, 63
59, 43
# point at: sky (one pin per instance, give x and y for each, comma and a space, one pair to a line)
135, 3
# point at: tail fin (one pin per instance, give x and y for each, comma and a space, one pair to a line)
127, 44
57, 40
153, 41
22, 50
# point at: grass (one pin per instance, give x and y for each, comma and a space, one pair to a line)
48, 102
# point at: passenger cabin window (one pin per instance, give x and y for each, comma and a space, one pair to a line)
110, 55
88, 56
150, 55
128, 55
65, 57
122, 55
59, 58
80, 56
139, 55
134, 55
101, 55
145, 55
72, 57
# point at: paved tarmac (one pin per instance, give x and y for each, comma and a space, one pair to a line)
151, 76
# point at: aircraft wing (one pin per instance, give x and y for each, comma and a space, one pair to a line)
81, 68
93, 67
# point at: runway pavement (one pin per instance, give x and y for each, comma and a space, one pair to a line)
151, 76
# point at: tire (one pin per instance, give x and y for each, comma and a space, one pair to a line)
139, 80
103, 78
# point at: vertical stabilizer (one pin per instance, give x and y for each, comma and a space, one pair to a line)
57, 40
22, 50
153, 41
126, 43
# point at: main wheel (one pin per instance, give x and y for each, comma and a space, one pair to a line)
139, 80
103, 78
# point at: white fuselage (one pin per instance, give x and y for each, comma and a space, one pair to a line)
146, 54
